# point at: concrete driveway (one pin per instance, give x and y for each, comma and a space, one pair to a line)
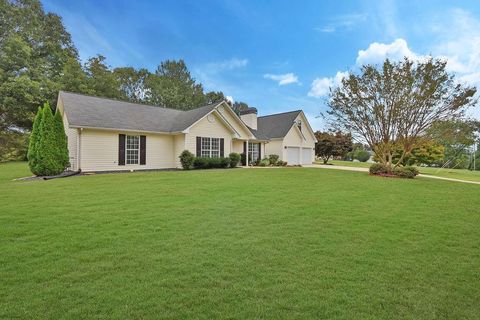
332, 167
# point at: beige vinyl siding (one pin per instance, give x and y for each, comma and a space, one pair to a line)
237, 146
211, 127
274, 147
178, 147
234, 122
72, 138
99, 151
295, 139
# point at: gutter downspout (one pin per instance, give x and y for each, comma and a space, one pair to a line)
79, 149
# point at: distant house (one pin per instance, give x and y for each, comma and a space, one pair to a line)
110, 135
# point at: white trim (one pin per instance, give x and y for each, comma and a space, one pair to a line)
226, 106
124, 130
308, 124
126, 149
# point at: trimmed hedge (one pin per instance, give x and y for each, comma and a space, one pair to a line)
378, 168
211, 163
186, 159
401, 172
234, 159
406, 172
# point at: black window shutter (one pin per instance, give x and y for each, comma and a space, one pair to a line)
244, 147
143, 150
199, 146
222, 147
121, 149
260, 151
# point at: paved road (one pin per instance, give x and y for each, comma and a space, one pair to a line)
366, 170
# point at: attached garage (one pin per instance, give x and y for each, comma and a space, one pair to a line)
307, 155
293, 155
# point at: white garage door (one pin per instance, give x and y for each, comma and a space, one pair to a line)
293, 155
306, 156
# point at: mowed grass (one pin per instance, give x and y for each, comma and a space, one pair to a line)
291, 243
461, 174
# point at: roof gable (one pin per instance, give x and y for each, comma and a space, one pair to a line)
276, 126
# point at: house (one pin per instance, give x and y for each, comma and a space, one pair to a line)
111, 135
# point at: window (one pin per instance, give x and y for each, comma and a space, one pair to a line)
299, 124
253, 151
210, 147
132, 150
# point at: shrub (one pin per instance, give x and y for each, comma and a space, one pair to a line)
281, 163
361, 155
378, 168
234, 159
210, 163
405, 172
186, 159
264, 162
273, 158
224, 162
49, 160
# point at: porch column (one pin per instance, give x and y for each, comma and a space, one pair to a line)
246, 154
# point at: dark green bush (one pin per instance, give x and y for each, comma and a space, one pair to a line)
378, 168
210, 163
281, 163
361, 155
49, 160
273, 159
234, 159
224, 162
186, 159
405, 172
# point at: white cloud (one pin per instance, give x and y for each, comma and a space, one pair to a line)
346, 21
230, 99
321, 86
230, 64
378, 52
282, 79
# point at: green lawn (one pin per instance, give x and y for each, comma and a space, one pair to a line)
448, 173
291, 243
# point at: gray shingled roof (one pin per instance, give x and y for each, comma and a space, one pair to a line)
275, 125
94, 112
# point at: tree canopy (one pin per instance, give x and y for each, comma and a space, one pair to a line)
38, 58
394, 105
332, 144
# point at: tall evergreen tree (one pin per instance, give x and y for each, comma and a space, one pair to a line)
33, 143
61, 140
48, 162
172, 86
102, 80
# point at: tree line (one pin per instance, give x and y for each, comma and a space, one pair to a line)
38, 58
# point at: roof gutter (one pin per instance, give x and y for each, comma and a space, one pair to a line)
126, 130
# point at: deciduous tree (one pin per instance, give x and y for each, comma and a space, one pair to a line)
331, 144
393, 105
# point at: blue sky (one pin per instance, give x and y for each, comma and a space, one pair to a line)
275, 55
